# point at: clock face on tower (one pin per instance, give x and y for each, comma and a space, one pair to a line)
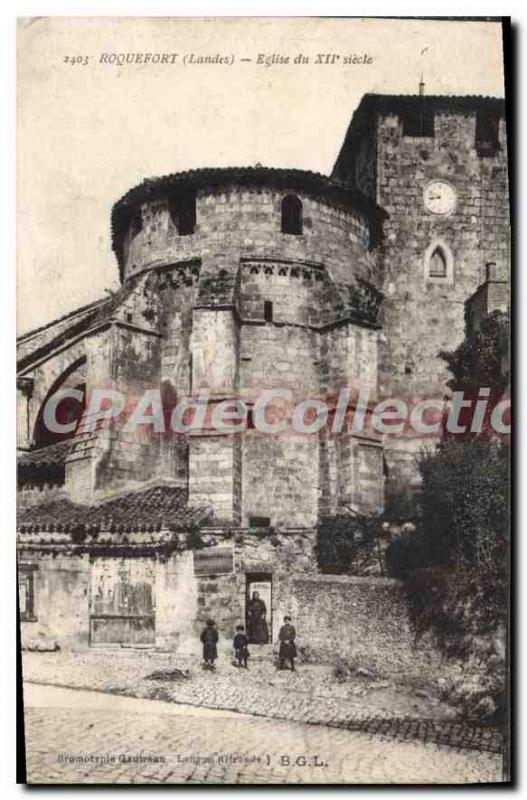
439, 197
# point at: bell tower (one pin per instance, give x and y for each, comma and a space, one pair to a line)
437, 166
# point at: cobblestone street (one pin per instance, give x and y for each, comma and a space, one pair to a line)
262, 687
310, 695
147, 741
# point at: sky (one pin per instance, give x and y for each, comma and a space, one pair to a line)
87, 132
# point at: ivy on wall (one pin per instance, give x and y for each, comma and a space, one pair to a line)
347, 544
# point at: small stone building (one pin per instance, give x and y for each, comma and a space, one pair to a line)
237, 280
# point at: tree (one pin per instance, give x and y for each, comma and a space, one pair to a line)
455, 566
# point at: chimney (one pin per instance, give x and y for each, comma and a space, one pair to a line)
490, 271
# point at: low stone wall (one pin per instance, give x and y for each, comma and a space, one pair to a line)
363, 618
61, 586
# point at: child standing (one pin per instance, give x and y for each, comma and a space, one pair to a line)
286, 637
240, 646
209, 638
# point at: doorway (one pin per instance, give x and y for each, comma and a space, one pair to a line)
259, 608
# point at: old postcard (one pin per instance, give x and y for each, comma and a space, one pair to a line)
263, 400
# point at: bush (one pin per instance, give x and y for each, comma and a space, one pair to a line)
405, 554
465, 506
455, 569
194, 539
478, 361
347, 544
455, 564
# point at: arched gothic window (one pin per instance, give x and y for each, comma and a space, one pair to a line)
292, 215
439, 263
437, 268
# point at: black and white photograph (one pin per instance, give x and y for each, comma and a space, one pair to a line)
263, 400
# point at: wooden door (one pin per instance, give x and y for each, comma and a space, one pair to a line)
122, 604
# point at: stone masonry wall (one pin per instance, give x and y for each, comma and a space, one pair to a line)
296, 293
358, 618
278, 555
176, 593
61, 600
280, 478
274, 357
50, 371
348, 358
212, 474
214, 351
350, 474
190, 315
247, 223
363, 618
420, 316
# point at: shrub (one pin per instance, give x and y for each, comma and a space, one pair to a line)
347, 543
465, 508
478, 361
455, 564
194, 539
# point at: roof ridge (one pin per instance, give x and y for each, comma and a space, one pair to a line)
34, 331
141, 509
196, 172
447, 96
95, 313
153, 483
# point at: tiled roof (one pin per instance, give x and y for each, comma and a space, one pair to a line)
63, 318
151, 509
386, 103
36, 344
46, 459
312, 183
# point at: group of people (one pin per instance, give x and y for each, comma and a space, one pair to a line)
258, 634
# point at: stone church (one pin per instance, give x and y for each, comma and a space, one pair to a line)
238, 280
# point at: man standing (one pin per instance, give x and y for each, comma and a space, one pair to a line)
286, 638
